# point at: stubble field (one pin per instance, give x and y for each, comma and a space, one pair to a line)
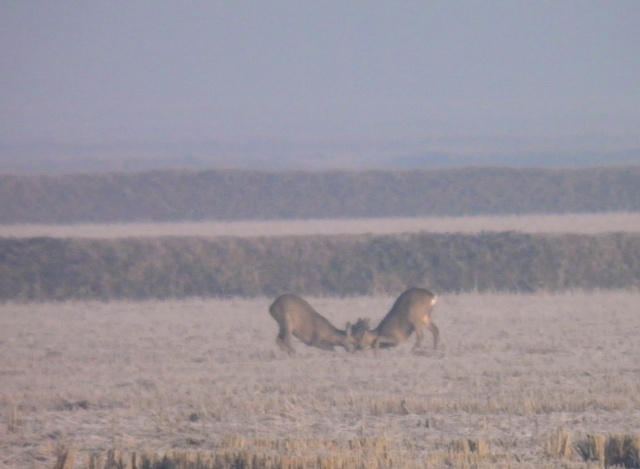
517, 381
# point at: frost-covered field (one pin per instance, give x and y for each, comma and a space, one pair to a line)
202, 375
574, 223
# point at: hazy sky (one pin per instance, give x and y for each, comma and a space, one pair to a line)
318, 83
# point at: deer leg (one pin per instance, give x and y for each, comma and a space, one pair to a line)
384, 342
375, 345
419, 338
436, 334
323, 346
283, 345
284, 339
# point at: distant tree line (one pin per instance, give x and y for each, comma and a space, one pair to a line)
44, 269
243, 195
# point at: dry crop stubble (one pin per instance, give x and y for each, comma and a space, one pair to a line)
207, 376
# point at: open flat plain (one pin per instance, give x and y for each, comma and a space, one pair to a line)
586, 223
516, 376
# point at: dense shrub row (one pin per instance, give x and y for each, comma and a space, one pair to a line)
241, 195
56, 269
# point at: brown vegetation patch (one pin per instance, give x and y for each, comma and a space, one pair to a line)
611, 450
46, 269
250, 195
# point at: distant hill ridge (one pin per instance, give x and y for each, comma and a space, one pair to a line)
181, 195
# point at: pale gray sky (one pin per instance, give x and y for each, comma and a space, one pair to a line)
319, 84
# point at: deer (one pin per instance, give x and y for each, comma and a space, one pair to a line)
410, 312
296, 317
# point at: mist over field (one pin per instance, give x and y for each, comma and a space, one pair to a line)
54, 158
317, 86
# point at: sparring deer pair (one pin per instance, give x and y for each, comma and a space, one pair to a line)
410, 312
